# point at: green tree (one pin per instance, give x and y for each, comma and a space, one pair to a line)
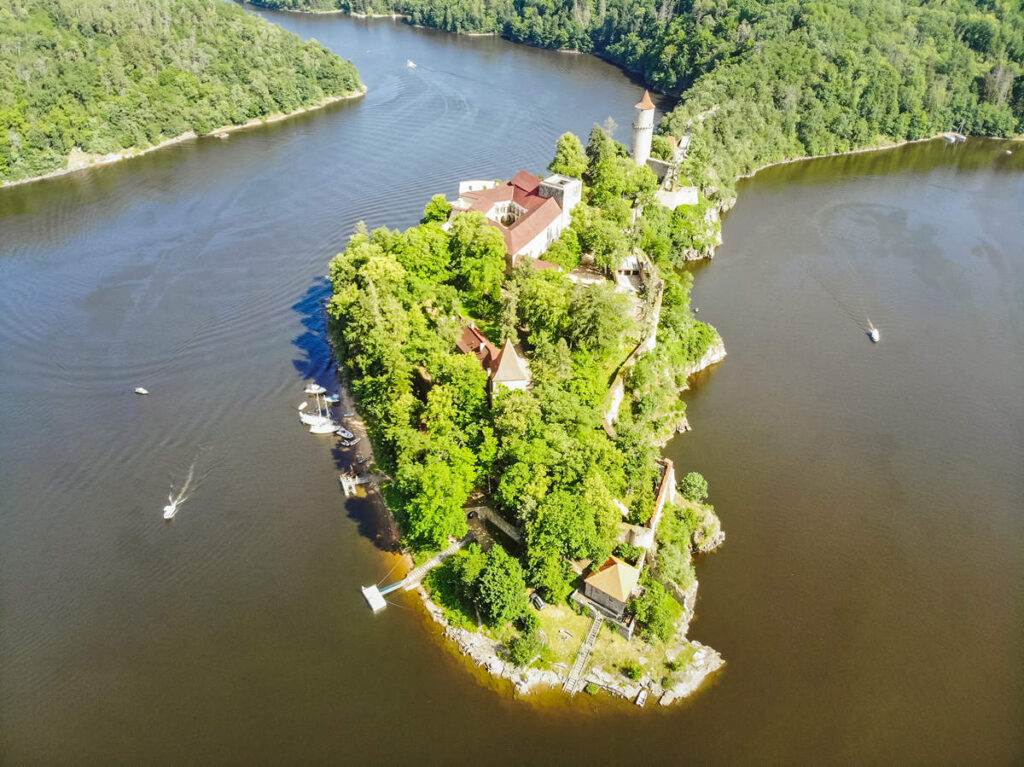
570, 159
438, 209
694, 487
655, 610
434, 493
477, 255
598, 316
501, 589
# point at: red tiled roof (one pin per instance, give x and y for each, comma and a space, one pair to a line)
526, 181
519, 235
522, 190
472, 340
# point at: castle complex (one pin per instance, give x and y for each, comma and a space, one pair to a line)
529, 213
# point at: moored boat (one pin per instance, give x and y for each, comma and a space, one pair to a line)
140, 390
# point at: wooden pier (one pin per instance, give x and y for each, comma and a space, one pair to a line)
572, 681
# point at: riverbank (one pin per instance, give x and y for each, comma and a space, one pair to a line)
79, 160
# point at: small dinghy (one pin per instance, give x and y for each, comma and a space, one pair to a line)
410, 63
334, 399
342, 432
641, 699
348, 415
314, 389
140, 390
222, 134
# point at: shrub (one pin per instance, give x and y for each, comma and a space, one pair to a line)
655, 610
632, 670
628, 552
524, 648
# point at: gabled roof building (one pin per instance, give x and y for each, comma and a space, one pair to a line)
506, 370
529, 213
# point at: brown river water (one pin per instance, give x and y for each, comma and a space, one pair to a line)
869, 599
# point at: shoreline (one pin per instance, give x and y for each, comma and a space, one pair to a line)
86, 161
725, 205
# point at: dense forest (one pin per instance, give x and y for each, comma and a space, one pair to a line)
540, 456
763, 80
107, 75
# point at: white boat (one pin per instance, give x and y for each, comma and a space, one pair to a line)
314, 389
222, 134
874, 335
303, 405
348, 415
321, 418
326, 427
950, 138
641, 699
140, 390
170, 509
333, 399
410, 63
349, 442
342, 432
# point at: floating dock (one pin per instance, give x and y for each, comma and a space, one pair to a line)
373, 598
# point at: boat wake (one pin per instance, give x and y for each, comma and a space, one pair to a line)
176, 500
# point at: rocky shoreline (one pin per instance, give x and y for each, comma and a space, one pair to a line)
79, 160
488, 654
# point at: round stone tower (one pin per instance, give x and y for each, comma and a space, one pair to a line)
643, 129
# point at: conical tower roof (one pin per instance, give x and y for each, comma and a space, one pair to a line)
645, 102
509, 366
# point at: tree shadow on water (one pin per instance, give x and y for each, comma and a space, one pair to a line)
315, 363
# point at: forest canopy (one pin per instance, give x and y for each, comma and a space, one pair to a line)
764, 80
108, 75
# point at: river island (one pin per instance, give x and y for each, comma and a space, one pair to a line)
517, 359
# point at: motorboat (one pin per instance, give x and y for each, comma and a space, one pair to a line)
222, 135
333, 399
344, 433
874, 335
171, 508
410, 63
349, 442
315, 389
641, 699
140, 390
